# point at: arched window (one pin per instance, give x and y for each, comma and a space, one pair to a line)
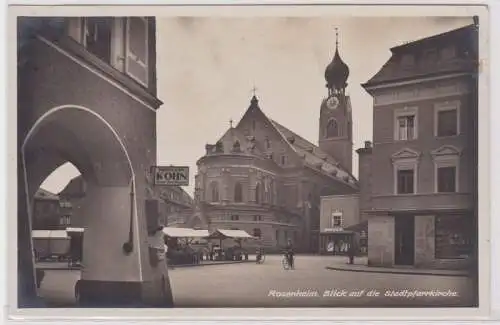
271, 191
332, 129
268, 143
257, 193
238, 192
214, 190
257, 233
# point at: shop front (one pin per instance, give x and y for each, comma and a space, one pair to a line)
335, 241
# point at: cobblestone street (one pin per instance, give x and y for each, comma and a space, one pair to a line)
269, 285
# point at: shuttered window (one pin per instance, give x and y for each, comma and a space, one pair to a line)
136, 65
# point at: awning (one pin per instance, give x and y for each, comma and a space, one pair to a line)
184, 232
226, 233
49, 234
362, 226
70, 229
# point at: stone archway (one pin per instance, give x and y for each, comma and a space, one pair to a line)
113, 248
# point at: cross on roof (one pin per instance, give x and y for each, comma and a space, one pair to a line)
336, 36
254, 89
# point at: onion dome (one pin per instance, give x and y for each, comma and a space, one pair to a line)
337, 71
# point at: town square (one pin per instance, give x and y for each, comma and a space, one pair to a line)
247, 162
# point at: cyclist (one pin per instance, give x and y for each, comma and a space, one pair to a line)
289, 253
260, 254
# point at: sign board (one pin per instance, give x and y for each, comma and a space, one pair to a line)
171, 175
337, 229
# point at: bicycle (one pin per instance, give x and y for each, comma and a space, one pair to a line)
261, 258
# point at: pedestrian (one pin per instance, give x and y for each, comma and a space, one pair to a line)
351, 252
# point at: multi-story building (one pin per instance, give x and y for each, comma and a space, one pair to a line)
175, 202
49, 212
87, 94
176, 206
265, 179
418, 182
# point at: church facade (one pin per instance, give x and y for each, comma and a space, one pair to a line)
263, 178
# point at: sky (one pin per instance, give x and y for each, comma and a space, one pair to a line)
208, 66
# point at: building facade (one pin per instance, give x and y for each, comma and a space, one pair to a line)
49, 212
418, 179
265, 179
176, 205
341, 224
87, 95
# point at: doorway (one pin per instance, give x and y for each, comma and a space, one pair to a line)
404, 244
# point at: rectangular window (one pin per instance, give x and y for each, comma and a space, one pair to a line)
337, 221
446, 178
97, 36
235, 217
405, 179
453, 236
283, 160
447, 123
136, 64
406, 127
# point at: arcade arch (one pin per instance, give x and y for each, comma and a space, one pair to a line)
80, 136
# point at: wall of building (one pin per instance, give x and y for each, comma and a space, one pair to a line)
381, 240
426, 142
348, 205
132, 121
365, 179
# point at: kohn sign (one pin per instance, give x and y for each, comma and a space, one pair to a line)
171, 175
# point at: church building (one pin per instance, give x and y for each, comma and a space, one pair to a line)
263, 178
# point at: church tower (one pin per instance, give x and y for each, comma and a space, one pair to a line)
335, 121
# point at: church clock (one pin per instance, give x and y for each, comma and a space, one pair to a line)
332, 103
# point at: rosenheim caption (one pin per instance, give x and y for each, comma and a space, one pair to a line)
403, 293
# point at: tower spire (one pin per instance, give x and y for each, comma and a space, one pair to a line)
337, 71
336, 38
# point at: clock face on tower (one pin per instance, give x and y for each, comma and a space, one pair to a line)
332, 103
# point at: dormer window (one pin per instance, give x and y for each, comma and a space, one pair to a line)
408, 60
236, 146
430, 55
448, 53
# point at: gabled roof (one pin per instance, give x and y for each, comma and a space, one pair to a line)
246, 144
42, 194
313, 156
464, 39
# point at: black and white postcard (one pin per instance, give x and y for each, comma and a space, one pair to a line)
273, 157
